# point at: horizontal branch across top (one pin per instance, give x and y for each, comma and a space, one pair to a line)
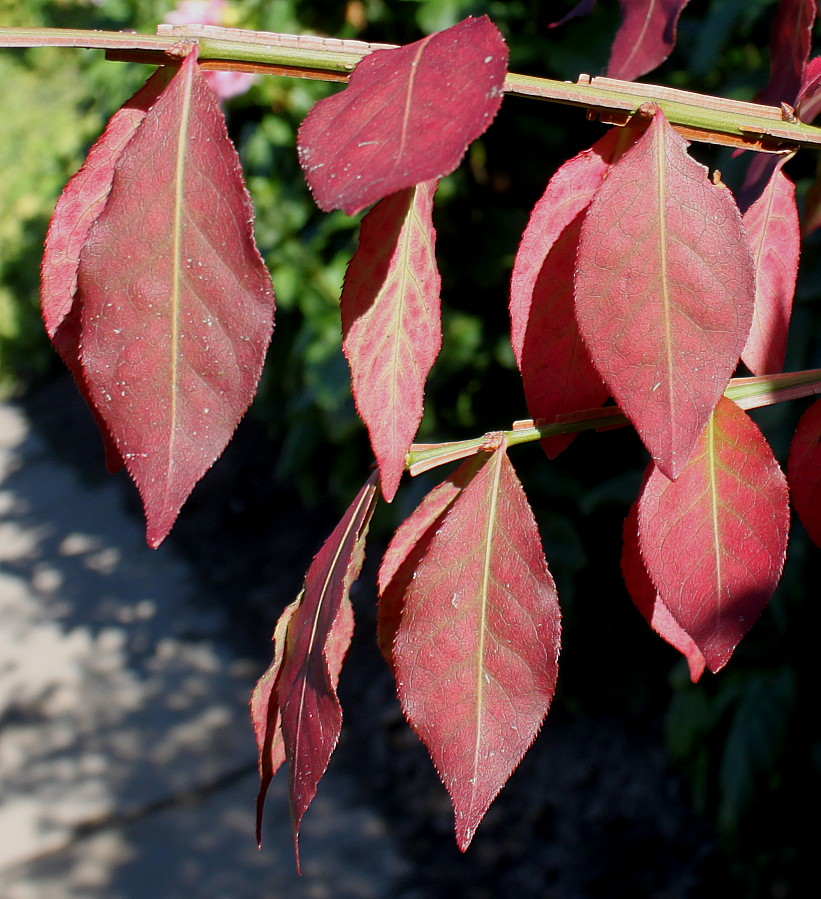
697, 116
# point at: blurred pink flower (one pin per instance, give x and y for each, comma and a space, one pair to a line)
211, 12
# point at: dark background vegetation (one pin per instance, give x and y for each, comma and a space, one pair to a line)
641, 784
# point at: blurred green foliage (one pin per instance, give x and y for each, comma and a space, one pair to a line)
750, 738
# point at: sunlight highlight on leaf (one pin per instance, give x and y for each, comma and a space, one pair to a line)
391, 323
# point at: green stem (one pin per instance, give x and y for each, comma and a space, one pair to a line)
748, 393
700, 117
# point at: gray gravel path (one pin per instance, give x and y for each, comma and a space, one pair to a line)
127, 763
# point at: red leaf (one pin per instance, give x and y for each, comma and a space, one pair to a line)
789, 50
476, 650
775, 236
408, 547
646, 598
804, 471
714, 540
79, 205
83, 200
319, 632
177, 305
406, 116
808, 102
645, 38
664, 291
391, 323
556, 369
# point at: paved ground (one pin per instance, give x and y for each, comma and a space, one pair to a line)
127, 764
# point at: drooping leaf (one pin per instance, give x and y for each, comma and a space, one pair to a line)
775, 237
406, 116
266, 716
665, 289
645, 38
789, 50
391, 323
476, 650
557, 373
83, 200
408, 546
79, 205
318, 636
714, 540
647, 600
804, 471
177, 306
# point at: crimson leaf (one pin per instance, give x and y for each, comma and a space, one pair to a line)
297, 696
645, 38
476, 649
665, 289
775, 236
391, 323
177, 307
406, 116
714, 540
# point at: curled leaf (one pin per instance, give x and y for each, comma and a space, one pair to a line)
319, 630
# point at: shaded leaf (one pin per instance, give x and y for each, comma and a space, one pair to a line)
582, 8
177, 307
391, 323
714, 540
557, 373
645, 38
476, 650
406, 116
790, 43
646, 598
775, 237
408, 546
664, 291
318, 636
804, 471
